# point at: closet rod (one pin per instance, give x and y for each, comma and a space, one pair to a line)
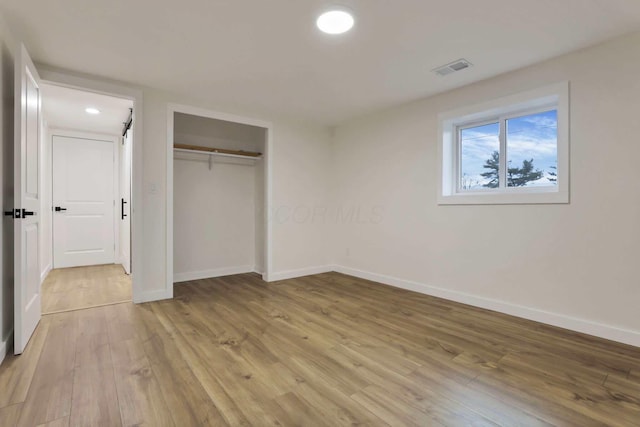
213, 153
216, 151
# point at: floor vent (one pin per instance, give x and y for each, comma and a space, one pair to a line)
452, 67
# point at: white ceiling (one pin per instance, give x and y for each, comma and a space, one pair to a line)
65, 108
267, 57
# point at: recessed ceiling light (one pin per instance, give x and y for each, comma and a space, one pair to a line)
91, 110
336, 21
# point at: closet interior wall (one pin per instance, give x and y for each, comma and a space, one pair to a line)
218, 201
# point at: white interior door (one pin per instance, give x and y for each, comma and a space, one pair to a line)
125, 202
83, 200
27, 127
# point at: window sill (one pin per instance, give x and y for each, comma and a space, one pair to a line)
505, 198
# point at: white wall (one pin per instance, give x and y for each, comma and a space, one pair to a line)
299, 213
6, 176
573, 265
215, 210
214, 218
191, 129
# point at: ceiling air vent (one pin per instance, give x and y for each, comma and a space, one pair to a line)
452, 67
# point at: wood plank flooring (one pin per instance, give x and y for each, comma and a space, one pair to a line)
324, 350
82, 287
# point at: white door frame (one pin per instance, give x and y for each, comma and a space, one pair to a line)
201, 112
126, 263
72, 81
115, 139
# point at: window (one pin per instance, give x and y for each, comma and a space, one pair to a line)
512, 150
518, 151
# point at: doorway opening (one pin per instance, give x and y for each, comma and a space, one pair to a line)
86, 176
32, 153
218, 193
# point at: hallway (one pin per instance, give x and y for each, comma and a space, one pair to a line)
76, 288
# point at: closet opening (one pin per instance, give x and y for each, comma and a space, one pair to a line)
217, 200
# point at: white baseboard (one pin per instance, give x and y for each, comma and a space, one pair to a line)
612, 333
207, 274
5, 346
45, 273
292, 274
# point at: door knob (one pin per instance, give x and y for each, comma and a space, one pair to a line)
26, 213
14, 213
59, 209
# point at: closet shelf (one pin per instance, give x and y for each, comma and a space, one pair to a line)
216, 151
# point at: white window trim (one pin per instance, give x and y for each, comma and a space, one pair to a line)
542, 99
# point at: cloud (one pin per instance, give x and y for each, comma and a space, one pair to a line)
547, 119
534, 137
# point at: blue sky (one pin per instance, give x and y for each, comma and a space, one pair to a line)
528, 137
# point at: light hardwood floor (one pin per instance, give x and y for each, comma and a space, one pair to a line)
321, 350
82, 287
